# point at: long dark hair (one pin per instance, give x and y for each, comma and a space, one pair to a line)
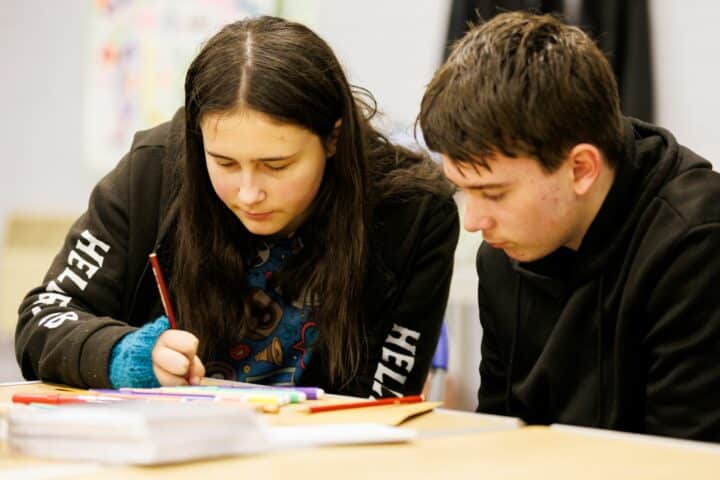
284, 70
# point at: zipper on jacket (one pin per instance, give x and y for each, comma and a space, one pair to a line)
604, 386
513, 346
139, 283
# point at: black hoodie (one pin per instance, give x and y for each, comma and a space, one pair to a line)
624, 333
100, 286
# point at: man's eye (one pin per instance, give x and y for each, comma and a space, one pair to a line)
493, 196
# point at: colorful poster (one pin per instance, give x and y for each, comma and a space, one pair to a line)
139, 52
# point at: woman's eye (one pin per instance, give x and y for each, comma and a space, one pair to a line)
224, 163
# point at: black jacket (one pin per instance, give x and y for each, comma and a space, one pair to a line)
624, 333
100, 287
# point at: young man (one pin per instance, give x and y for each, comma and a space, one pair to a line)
599, 275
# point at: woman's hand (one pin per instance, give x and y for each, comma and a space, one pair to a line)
175, 360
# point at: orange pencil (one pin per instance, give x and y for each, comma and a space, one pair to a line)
371, 403
164, 296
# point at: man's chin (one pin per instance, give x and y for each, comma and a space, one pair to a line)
525, 256
520, 255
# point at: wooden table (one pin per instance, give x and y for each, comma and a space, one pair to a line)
450, 445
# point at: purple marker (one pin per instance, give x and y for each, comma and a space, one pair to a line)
311, 393
143, 393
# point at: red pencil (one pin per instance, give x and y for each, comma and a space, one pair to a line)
164, 296
370, 403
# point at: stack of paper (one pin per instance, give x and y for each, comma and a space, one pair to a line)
136, 432
149, 432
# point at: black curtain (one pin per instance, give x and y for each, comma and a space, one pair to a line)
620, 28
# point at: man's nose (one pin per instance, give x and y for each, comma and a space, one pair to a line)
477, 220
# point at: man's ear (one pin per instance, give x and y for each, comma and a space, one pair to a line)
586, 163
331, 142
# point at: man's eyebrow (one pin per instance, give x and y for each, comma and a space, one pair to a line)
483, 186
487, 186
264, 159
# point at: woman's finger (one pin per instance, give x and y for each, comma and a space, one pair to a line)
170, 360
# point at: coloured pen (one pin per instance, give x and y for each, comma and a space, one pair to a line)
60, 399
364, 404
311, 393
294, 395
188, 394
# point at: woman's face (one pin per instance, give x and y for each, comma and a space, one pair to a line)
266, 172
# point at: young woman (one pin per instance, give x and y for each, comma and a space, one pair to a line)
300, 246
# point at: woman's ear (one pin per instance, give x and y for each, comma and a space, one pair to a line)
331, 142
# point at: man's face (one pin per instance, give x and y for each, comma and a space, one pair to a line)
518, 206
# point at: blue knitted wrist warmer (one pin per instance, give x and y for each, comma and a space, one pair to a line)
131, 357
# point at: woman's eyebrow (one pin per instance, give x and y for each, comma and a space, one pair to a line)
264, 159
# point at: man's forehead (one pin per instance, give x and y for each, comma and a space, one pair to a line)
470, 175
465, 169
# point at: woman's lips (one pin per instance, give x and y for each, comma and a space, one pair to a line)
257, 215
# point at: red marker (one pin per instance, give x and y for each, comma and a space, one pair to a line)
56, 399
370, 403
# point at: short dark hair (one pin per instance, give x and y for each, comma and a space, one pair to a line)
518, 84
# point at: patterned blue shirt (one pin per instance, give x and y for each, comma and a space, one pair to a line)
276, 352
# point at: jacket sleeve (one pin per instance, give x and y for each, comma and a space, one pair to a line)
491, 394
67, 326
401, 348
683, 340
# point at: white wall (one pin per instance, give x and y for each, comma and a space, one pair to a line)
687, 72
390, 47
42, 52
